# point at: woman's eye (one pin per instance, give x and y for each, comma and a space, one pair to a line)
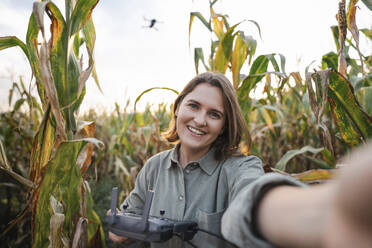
215, 115
193, 106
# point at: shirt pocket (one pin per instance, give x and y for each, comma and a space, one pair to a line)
210, 222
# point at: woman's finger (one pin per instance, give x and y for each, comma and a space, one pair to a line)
116, 238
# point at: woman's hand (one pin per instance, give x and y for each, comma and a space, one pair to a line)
350, 223
116, 238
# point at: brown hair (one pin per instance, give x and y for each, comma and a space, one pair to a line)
227, 143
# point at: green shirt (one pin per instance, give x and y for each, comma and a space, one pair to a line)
200, 192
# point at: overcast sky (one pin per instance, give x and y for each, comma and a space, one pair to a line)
130, 58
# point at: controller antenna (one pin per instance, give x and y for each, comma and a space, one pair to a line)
146, 211
114, 200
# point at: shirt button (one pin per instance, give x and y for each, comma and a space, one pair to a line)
187, 171
180, 198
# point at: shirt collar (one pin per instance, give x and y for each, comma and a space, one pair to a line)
207, 163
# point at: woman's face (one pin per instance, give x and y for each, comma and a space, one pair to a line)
200, 118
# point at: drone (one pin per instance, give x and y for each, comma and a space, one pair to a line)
151, 23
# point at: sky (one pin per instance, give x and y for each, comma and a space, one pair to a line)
131, 58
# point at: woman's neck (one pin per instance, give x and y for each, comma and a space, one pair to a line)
185, 156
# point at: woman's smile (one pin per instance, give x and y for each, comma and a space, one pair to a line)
196, 131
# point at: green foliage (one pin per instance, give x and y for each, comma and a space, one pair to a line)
61, 202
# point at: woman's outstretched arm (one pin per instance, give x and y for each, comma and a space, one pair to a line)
335, 214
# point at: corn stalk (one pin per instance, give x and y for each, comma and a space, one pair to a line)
60, 201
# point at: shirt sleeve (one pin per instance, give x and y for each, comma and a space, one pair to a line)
238, 222
242, 173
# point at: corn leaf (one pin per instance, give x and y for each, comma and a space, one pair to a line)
224, 50
319, 163
47, 66
364, 96
329, 158
282, 62
38, 9
42, 146
56, 225
251, 45
32, 47
258, 67
77, 43
90, 37
239, 56
58, 62
367, 32
201, 18
335, 36
351, 25
258, 27
150, 89
330, 60
273, 61
218, 24
353, 123
282, 163
314, 175
11, 41
364, 81
199, 56
81, 14
65, 68
85, 130
368, 3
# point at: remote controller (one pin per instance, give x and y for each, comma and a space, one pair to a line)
145, 227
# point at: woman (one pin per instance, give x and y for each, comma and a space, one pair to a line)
202, 175
206, 179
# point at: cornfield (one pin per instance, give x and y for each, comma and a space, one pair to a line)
58, 166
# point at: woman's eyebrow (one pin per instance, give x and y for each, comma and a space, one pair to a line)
193, 101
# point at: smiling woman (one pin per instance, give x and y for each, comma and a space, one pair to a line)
199, 178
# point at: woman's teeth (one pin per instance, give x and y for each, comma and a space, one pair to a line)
196, 131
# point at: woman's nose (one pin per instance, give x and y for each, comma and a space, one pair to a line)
200, 119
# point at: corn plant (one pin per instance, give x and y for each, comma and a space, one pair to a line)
59, 197
346, 85
229, 48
